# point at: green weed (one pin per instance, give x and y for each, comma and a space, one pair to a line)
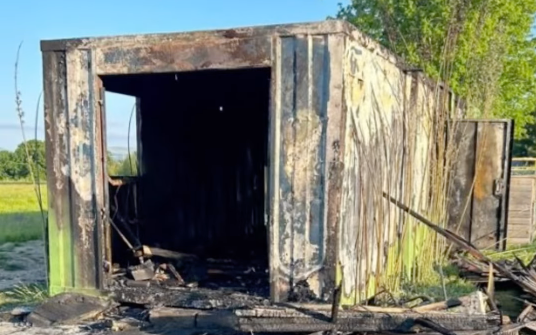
30, 294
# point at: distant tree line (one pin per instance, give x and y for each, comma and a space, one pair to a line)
127, 166
15, 165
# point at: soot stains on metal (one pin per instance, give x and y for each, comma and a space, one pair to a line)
172, 56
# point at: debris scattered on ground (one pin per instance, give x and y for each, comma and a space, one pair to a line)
301, 292
21, 311
67, 309
145, 271
16, 315
179, 291
522, 275
287, 319
222, 275
128, 323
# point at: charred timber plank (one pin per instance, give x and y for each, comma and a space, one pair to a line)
362, 322
455, 302
284, 319
278, 312
512, 329
328, 307
67, 309
528, 285
191, 318
301, 322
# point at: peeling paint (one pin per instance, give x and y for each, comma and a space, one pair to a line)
341, 132
380, 142
300, 230
475, 210
306, 133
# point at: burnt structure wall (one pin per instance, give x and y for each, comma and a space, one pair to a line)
322, 83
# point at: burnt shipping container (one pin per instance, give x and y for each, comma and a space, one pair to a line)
262, 151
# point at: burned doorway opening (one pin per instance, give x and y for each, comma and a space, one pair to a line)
198, 203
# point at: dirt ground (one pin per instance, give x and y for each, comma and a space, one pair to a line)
12, 329
21, 263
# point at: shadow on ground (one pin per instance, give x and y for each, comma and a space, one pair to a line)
21, 227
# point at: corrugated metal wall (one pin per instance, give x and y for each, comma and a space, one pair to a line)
302, 83
388, 123
479, 191
75, 184
346, 123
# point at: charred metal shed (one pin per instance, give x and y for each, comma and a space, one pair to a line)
266, 147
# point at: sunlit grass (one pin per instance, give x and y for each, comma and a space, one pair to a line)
28, 295
524, 252
20, 218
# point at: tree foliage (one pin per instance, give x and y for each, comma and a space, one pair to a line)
8, 166
31, 154
127, 166
482, 48
14, 165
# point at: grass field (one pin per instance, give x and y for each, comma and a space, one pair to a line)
20, 221
20, 218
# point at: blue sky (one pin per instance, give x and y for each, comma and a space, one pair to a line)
30, 21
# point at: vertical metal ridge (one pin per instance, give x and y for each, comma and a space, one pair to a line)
275, 169
310, 108
68, 172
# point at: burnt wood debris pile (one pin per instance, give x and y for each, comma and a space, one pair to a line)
164, 292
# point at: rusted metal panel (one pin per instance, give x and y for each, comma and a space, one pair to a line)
334, 165
460, 188
59, 219
104, 237
172, 56
83, 168
75, 182
373, 153
313, 28
391, 115
479, 189
299, 229
341, 132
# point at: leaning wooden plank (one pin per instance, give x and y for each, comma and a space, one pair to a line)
527, 285
513, 329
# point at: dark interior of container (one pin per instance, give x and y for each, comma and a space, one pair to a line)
203, 139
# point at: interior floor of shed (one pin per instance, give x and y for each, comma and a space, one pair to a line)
222, 275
